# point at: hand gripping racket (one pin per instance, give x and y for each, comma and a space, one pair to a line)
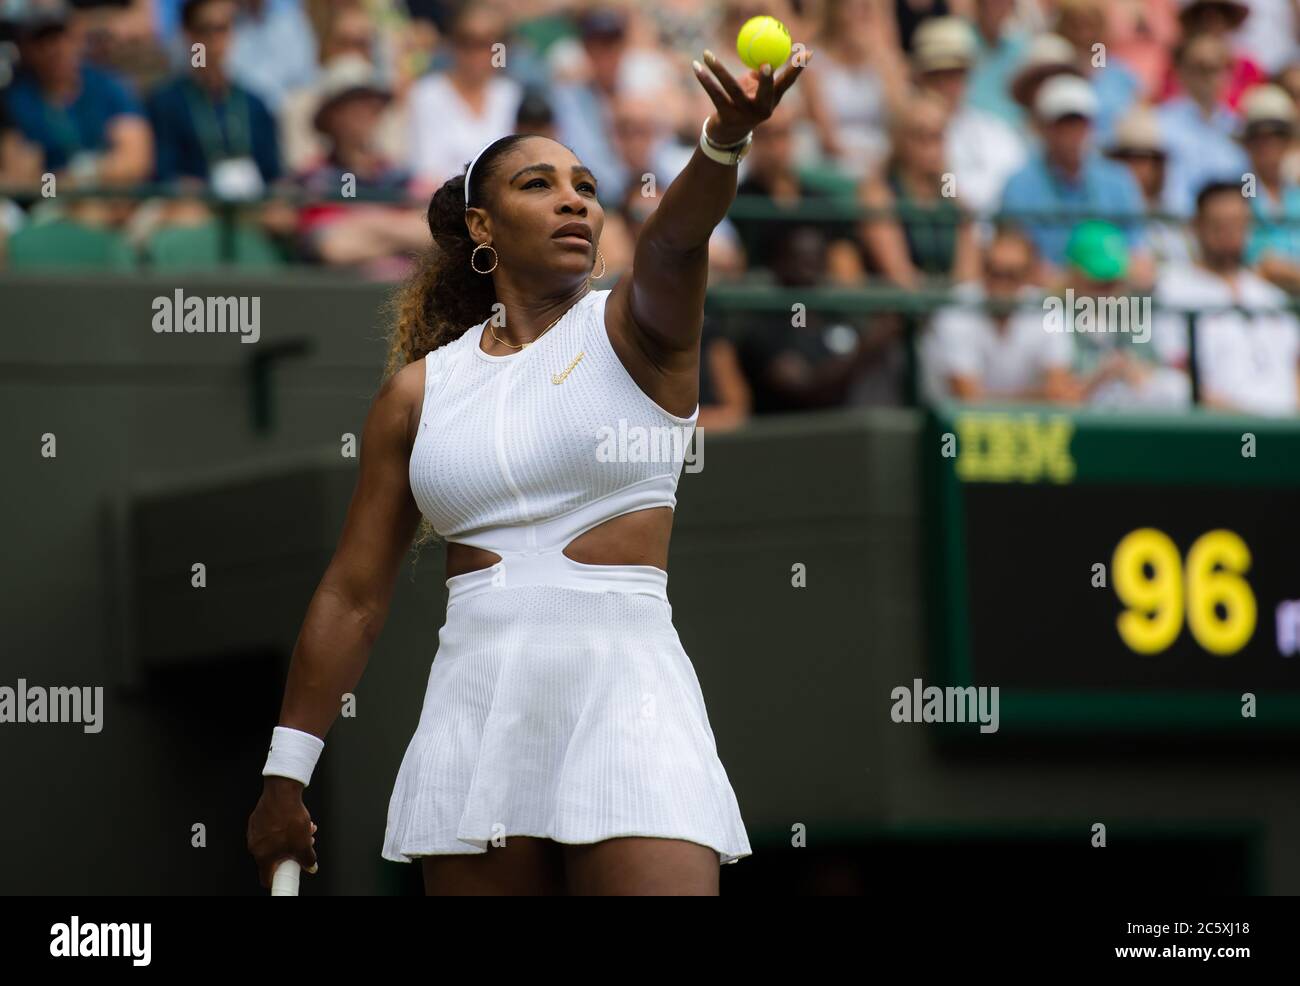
284, 881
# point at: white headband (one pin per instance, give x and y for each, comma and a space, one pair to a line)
470, 169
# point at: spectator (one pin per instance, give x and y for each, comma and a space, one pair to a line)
981, 150
1197, 129
535, 115
20, 166
642, 141
796, 362
1269, 119
618, 239
373, 236
455, 112
1110, 328
1084, 24
1137, 145
726, 399
20, 159
87, 123
1067, 175
1218, 19
932, 238
273, 49
1246, 360
859, 72
1289, 80
609, 66
1142, 33
1047, 55
999, 49
209, 128
993, 345
349, 33
772, 174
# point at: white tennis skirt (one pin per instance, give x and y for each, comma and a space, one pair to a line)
560, 704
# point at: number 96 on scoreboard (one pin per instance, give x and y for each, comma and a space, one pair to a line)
1117, 571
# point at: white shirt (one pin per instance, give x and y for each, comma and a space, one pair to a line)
855, 99
1268, 34
1249, 361
445, 132
966, 341
983, 152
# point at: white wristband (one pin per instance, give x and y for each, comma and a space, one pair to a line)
293, 754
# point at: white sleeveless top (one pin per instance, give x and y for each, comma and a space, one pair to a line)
521, 453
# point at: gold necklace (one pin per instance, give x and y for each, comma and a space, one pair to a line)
522, 344
532, 340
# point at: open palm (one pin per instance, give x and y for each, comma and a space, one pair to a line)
742, 104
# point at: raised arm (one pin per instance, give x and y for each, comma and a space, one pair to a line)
655, 314
347, 610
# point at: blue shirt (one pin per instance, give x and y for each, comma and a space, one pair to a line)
167, 20
989, 85
1117, 89
1200, 151
1269, 235
192, 132
1102, 186
62, 132
275, 53
579, 124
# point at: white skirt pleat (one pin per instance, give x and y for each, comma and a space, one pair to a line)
563, 713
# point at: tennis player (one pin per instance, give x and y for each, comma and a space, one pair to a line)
563, 745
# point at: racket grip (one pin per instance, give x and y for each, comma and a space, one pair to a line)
284, 881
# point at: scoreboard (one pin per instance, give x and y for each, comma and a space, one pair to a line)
1116, 571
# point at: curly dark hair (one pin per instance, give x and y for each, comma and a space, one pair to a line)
443, 297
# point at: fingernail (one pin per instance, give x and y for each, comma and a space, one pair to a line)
314, 868
708, 55
767, 69
696, 65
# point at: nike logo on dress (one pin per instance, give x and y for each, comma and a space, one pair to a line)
559, 378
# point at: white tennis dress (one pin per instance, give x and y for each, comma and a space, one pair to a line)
560, 703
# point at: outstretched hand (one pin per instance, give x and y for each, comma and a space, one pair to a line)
745, 103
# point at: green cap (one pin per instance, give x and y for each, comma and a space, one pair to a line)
1099, 250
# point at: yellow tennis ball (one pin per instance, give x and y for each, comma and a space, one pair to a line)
763, 39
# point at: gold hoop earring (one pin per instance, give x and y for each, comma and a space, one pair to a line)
597, 277
484, 246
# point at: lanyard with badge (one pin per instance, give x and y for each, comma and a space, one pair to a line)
227, 150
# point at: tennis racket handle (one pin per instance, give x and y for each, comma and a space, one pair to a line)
284, 881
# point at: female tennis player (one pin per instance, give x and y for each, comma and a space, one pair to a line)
563, 745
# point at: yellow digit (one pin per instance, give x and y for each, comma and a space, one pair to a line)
1215, 564
1155, 602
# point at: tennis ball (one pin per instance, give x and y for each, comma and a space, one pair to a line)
763, 39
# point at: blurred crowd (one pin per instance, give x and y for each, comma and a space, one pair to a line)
1050, 166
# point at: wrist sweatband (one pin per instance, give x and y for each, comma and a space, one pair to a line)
293, 754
